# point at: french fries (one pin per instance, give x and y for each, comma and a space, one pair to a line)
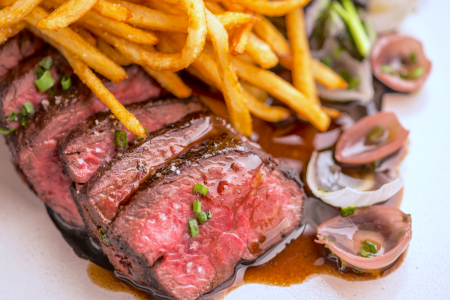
86, 35
327, 77
302, 77
14, 12
78, 46
8, 32
112, 53
66, 14
283, 91
240, 39
112, 11
231, 20
271, 8
261, 52
255, 91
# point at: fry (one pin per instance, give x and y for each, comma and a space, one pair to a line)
331, 112
261, 52
86, 35
240, 39
194, 72
215, 8
126, 31
88, 54
265, 112
112, 11
6, 33
283, 91
271, 8
96, 86
231, 89
112, 53
216, 106
327, 77
66, 14
14, 12
231, 20
165, 7
302, 77
255, 91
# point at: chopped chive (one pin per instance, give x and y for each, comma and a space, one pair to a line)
357, 271
323, 190
387, 69
327, 239
354, 82
416, 73
193, 226
348, 211
376, 134
413, 58
103, 235
7, 132
202, 217
201, 189
146, 133
66, 82
27, 108
327, 61
44, 82
121, 138
39, 72
368, 249
14, 117
23, 121
409, 215
46, 63
197, 206
209, 215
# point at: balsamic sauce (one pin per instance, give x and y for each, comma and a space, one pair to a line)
293, 141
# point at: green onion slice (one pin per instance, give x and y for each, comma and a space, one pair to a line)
197, 206
368, 249
27, 108
209, 215
121, 139
7, 132
46, 63
66, 82
201, 189
348, 211
193, 226
146, 133
416, 73
387, 69
413, 57
322, 190
103, 235
44, 82
376, 134
14, 117
23, 121
202, 217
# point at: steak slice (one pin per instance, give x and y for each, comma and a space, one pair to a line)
17, 48
36, 145
92, 144
254, 201
18, 86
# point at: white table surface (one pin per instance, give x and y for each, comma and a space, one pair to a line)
36, 263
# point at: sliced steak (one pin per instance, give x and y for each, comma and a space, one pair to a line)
18, 85
92, 144
37, 144
253, 200
17, 48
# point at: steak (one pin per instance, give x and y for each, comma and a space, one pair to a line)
92, 144
253, 199
17, 48
36, 145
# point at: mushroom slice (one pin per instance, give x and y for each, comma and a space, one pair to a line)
370, 239
329, 184
400, 62
370, 139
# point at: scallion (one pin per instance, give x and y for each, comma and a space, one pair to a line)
368, 249
103, 235
347, 211
66, 82
208, 215
387, 69
46, 63
204, 216
376, 134
14, 117
44, 82
27, 108
121, 138
413, 57
7, 132
201, 189
23, 121
197, 206
146, 133
352, 82
193, 226
322, 190
416, 73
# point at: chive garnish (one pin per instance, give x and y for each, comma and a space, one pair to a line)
44, 82
146, 133
121, 138
27, 108
413, 58
387, 69
193, 226
201, 189
376, 134
352, 82
348, 211
23, 121
368, 249
66, 82
7, 132
416, 73
322, 190
46, 63
103, 235
204, 216
197, 206
14, 117
209, 215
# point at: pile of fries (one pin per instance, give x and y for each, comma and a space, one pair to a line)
228, 44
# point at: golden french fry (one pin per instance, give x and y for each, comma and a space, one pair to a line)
66, 14
283, 91
171, 82
261, 52
216, 106
239, 39
302, 77
231, 20
165, 7
112, 11
125, 31
7, 32
255, 91
327, 77
215, 8
271, 8
78, 46
88, 77
331, 112
265, 112
16, 11
86, 35
112, 53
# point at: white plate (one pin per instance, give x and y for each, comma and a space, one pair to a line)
36, 263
